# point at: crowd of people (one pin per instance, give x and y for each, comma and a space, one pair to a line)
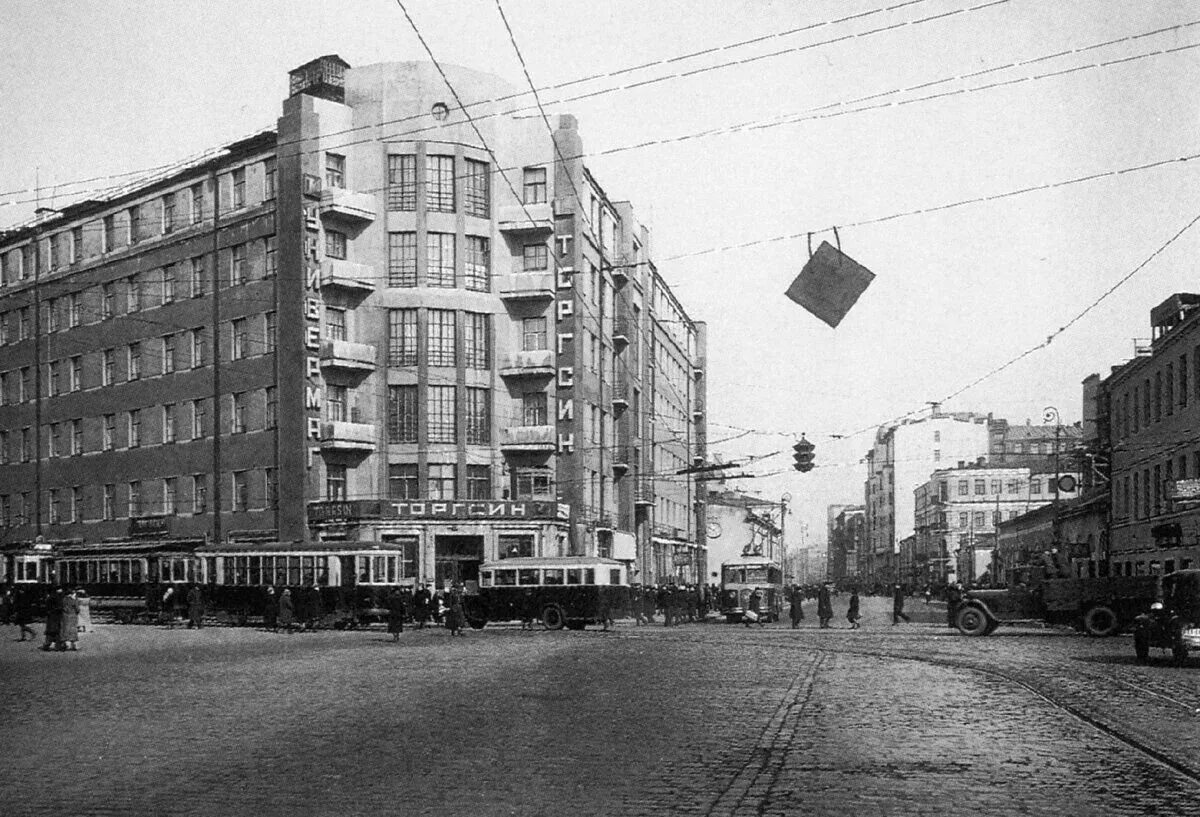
59, 608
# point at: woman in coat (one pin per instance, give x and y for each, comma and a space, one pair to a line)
454, 611
797, 609
396, 612
287, 610
852, 614
824, 605
271, 611
53, 619
68, 631
22, 614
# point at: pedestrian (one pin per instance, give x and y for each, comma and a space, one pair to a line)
852, 614
898, 605
6, 606
648, 604
928, 594
639, 606
663, 600
287, 609
824, 606
437, 606
606, 617
316, 609
754, 603
53, 619
421, 602
271, 610
396, 613
166, 609
195, 603
23, 615
454, 610
954, 594
68, 631
797, 609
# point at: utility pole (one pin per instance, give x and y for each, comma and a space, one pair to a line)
216, 352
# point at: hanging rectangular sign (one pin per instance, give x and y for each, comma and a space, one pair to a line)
830, 284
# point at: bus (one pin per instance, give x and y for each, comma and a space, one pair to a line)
563, 591
741, 577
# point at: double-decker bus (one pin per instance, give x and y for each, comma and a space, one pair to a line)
741, 577
564, 591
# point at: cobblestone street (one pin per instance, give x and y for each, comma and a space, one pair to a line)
694, 720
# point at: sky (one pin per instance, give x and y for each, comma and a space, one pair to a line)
96, 88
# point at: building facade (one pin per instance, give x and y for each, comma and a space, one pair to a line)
845, 542
368, 324
741, 525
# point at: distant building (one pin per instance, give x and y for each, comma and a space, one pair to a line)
845, 542
1037, 447
741, 525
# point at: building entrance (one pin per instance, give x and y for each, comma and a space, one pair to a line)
457, 559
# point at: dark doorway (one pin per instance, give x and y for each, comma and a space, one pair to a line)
457, 559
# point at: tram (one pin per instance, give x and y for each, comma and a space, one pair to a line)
128, 579
564, 591
741, 577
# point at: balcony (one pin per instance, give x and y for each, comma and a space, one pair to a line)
528, 438
347, 356
347, 205
527, 286
348, 437
620, 332
348, 275
539, 363
513, 218
620, 272
643, 492
622, 455
620, 396
698, 411
698, 369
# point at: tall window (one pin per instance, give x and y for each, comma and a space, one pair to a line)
439, 183
272, 407
135, 498
402, 337
135, 224
534, 186
198, 419
336, 400
52, 386
241, 490
402, 414
533, 334
197, 344
440, 340
335, 482
170, 496
237, 265
196, 203
402, 182
439, 268
168, 213
479, 482
271, 487
478, 415
109, 510
535, 257
335, 170
199, 493
168, 284
270, 172
168, 354
477, 189
335, 244
533, 409
239, 331
477, 274
74, 310
476, 341
108, 238
239, 187
270, 331
402, 259
133, 294
335, 323
76, 437
168, 423
237, 417
197, 277
441, 481
135, 361
402, 481
134, 418
76, 244
270, 258
108, 439
440, 414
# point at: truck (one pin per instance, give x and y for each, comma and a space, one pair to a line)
1098, 606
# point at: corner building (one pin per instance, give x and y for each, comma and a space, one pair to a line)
422, 337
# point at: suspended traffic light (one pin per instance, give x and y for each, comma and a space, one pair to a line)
803, 455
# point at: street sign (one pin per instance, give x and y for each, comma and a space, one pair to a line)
830, 284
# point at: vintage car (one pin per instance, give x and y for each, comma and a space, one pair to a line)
1173, 622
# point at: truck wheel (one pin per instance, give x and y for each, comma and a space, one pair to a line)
1101, 621
972, 621
1141, 645
1179, 651
553, 618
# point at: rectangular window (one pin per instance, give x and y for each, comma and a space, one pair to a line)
52, 441
135, 225
26, 392
439, 184
533, 409
402, 481
109, 509
108, 439
239, 187
270, 331
535, 257
135, 498
239, 337
402, 259
477, 189
23, 323
134, 417
199, 493
168, 213
53, 387
168, 285
335, 482
439, 267
76, 437
402, 337
477, 274
270, 172
74, 310
76, 244
50, 315
26, 444
964, 487
75, 508
478, 415
270, 259
441, 481
440, 338
978, 519
533, 334
271, 487
1183, 380
168, 354
402, 182
133, 294
335, 170
336, 402
197, 277
402, 414
197, 344
170, 496
271, 402
335, 244
241, 490
476, 341
535, 485
439, 414
980, 487
134, 358
237, 265
196, 203
479, 482
335, 323
534, 185
237, 417
168, 423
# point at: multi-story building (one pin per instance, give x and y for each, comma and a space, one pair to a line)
1151, 407
956, 513
742, 525
845, 542
372, 323
1038, 447
902, 458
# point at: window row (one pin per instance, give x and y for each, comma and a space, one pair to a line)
1173, 387
438, 180
440, 338
439, 414
1147, 492
997, 487
441, 261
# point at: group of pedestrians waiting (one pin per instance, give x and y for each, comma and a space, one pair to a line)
60, 606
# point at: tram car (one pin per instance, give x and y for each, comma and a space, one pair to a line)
566, 591
741, 577
128, 580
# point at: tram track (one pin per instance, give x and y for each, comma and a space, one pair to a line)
1041, 688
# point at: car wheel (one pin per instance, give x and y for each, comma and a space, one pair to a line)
1141, 645
1101, 621
553, 618
972, 621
